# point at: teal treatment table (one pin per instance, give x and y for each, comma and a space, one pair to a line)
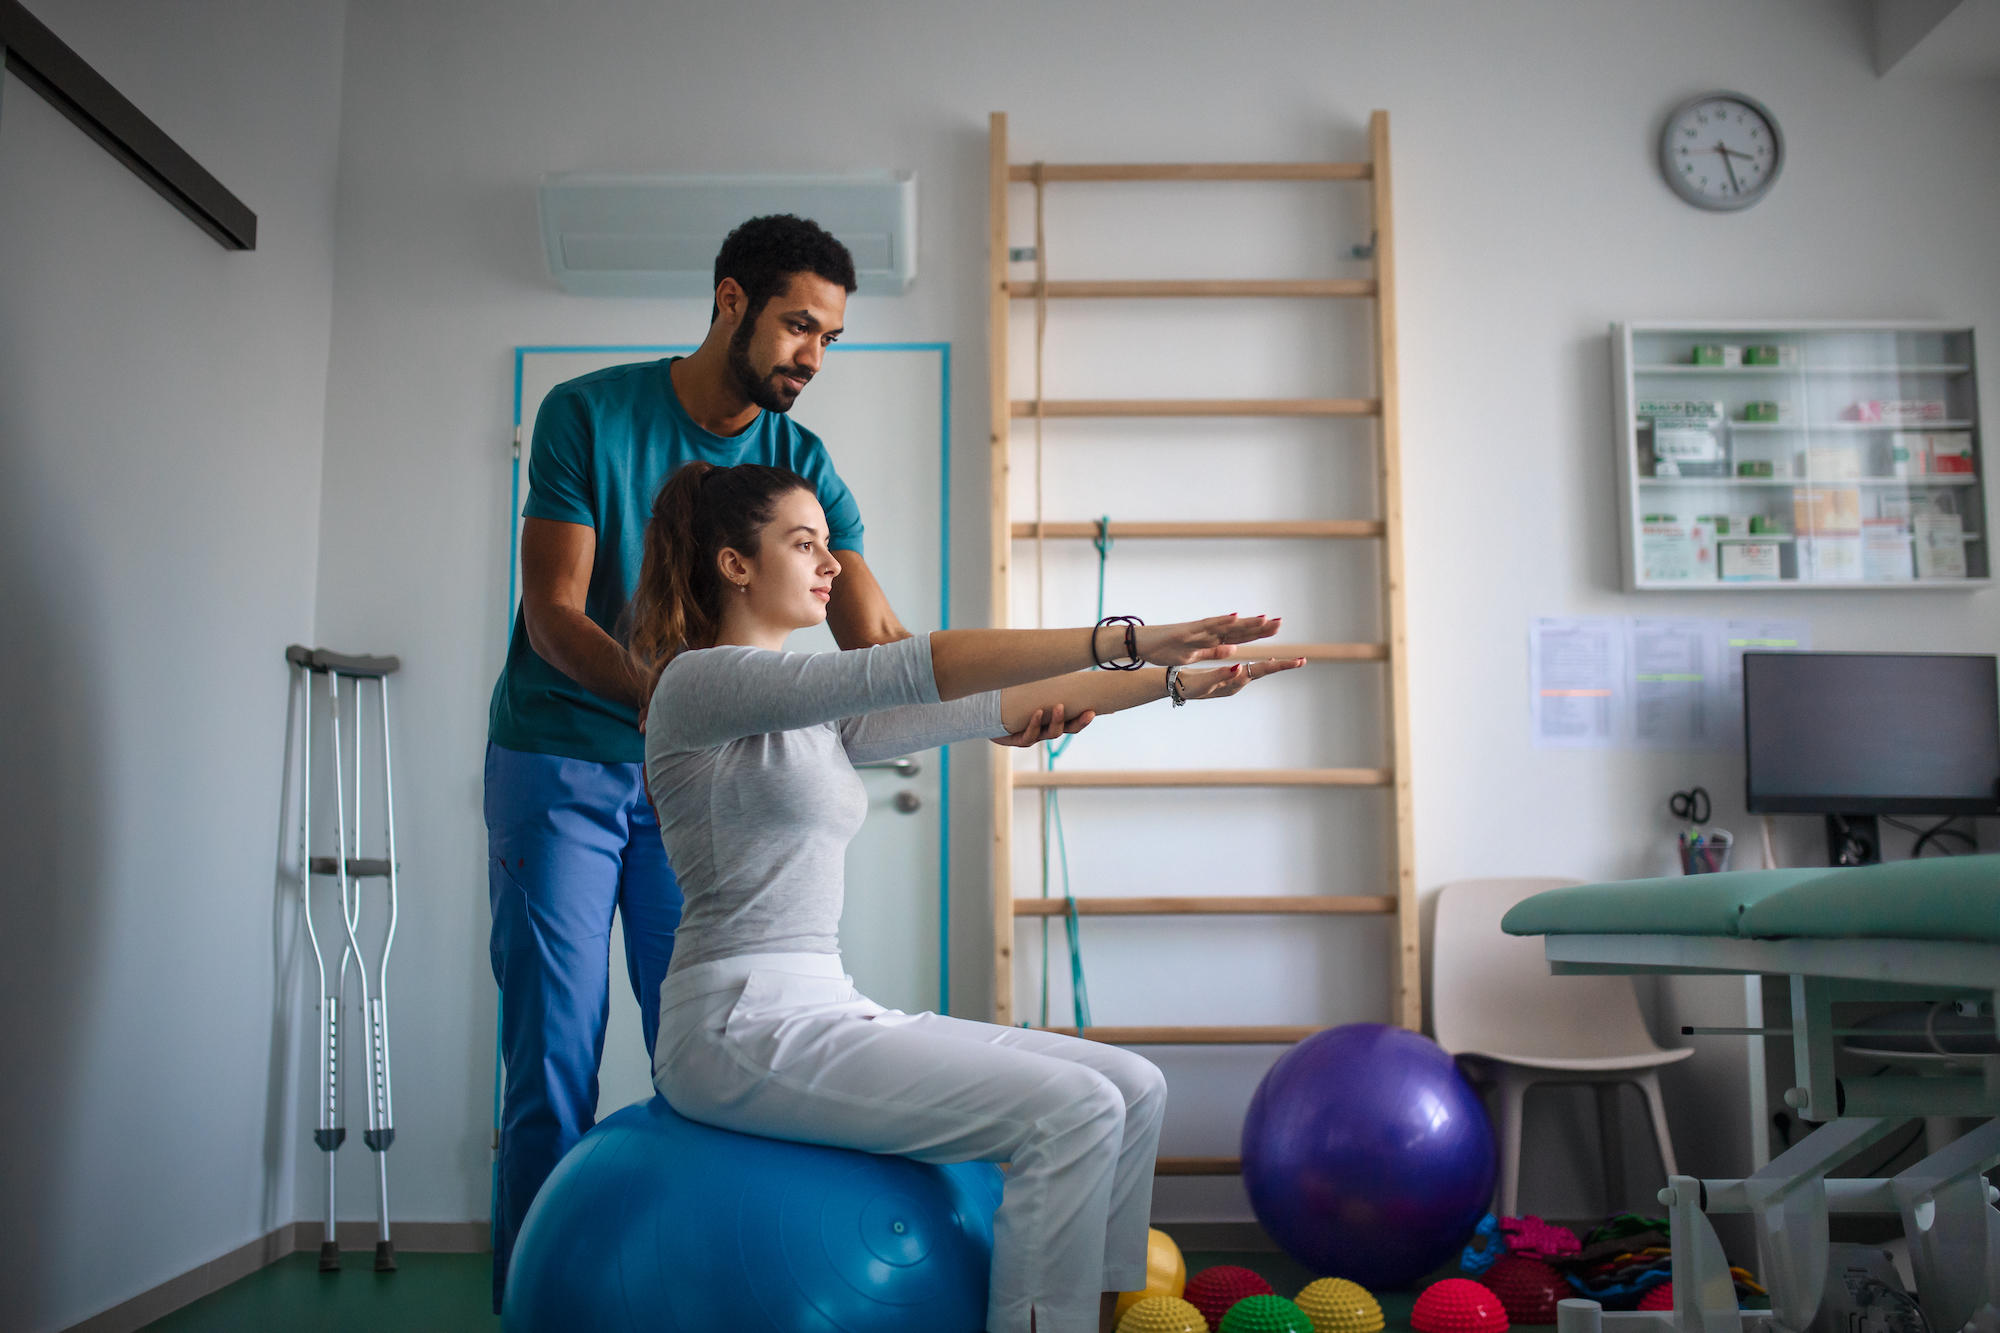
1908, 931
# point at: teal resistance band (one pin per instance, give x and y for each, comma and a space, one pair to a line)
1052, 816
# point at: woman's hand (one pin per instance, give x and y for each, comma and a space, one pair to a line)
1221, 682
1201, 640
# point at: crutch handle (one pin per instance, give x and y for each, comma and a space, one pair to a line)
345, 664
358, 867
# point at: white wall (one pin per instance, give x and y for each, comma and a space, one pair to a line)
1529, 214
161, 411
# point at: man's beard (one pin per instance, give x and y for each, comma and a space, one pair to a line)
758, 389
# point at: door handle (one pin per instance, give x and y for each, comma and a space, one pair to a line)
905, 767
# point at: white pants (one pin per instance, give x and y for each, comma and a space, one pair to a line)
782, 1045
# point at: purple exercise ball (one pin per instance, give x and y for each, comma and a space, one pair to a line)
1368, 1155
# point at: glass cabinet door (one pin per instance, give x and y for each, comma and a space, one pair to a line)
1816, 457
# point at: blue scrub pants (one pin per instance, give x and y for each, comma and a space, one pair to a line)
568, 842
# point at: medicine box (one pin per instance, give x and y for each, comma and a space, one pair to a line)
1743, 561
1949, 453
1896, 411
1685, 435
1819, 509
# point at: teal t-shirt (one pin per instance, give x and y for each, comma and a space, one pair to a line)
604, 444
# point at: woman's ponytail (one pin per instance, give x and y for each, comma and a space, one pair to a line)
700, 510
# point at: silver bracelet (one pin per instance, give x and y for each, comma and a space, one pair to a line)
1174, 691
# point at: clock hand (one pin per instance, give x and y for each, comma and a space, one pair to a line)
1731, 168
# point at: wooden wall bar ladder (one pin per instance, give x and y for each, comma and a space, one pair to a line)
1399, 896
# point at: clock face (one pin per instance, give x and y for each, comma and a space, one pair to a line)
1721, 151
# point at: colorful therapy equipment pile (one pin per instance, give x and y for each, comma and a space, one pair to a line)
1622, 1263
1228, 1299
1525, 1266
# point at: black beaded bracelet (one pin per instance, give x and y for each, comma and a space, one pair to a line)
1133, 661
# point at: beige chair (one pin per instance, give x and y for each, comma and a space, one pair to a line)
1512, 1025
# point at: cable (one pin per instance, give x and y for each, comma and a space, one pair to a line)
1941, 829
1896, 1154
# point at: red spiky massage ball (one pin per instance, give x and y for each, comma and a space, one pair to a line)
1213, 1290
1527, 1288
1458, 1305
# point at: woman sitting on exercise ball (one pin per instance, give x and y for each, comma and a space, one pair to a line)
749, 761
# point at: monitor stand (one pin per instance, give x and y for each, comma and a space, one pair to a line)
1853, 840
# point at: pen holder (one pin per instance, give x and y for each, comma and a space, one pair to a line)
1706, 853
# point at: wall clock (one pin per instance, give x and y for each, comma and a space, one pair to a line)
1721, 151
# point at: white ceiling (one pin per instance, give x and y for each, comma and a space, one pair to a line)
1953, 39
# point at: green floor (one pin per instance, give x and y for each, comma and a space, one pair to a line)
445, 1293
429, 1293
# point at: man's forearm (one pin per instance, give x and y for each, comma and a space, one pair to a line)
859, 615
573, 644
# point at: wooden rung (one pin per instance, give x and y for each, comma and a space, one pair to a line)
1203, 777
1059, 289
1319, 652
1199, 407
1283, 904
1194, 171
1314, 527
1198, 1166
1192, 1036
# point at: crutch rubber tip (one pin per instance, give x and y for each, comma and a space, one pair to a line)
385, 1256
329, 1256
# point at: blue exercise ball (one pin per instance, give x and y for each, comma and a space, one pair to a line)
1367, 1155
656, 1222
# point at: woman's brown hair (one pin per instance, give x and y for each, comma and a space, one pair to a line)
701, 510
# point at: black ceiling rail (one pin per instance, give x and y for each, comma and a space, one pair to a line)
41, 60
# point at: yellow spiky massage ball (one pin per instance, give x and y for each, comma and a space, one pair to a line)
1336, 1305
1166, 1272
1162, 1314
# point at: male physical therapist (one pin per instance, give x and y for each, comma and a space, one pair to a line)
571, 837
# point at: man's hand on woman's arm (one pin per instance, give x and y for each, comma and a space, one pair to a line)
968, 661
1114, 691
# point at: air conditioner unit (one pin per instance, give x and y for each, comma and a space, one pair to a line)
620, 234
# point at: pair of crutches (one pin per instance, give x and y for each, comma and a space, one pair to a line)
348, 869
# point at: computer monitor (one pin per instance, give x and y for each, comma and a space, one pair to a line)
1856, 735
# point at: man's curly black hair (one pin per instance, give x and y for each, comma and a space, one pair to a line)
763, 254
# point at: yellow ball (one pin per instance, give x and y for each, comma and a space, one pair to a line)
1166, 1271
1162, 1314
1336, 1305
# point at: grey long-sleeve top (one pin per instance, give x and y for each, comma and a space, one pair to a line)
750, 760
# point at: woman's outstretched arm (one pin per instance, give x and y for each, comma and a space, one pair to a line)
707, 698
895, 731
1115, 691
969, 661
